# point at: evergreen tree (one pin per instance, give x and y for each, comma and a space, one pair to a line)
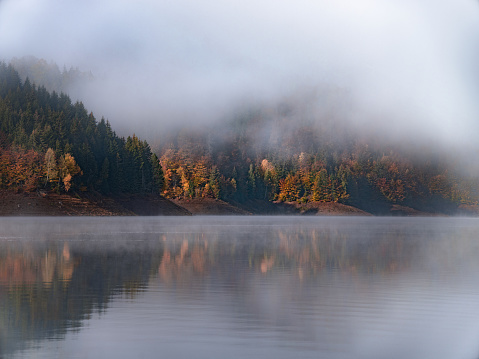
158, 177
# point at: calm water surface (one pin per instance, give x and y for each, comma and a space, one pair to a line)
237, 287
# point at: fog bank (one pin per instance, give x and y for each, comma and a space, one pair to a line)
409, 68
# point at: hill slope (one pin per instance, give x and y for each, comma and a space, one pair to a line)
275, 159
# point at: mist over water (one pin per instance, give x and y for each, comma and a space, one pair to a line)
239, 287
409, 67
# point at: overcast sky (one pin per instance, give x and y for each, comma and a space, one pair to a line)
411, 66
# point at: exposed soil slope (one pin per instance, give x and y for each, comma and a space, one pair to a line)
330, 209
209, 206
53, 204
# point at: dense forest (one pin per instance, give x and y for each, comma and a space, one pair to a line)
263, 154
48, 142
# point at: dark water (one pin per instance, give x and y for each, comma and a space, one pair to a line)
238, 287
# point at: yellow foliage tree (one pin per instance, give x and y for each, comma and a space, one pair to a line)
289, 189
67, 168
51, 169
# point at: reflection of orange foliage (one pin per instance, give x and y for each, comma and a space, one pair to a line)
183, 251
300, 273
184, 263
198, 259
17, 269
163, 270
323, 249
284, 243
304, 257
26, 268
306, 253
67, 271
67, 266
267, 264
48, 265
66, 252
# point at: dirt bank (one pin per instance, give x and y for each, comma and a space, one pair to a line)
329, 209
93, 204
209, 206
53, 204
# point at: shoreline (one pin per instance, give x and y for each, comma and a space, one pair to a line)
93, 204
89, 204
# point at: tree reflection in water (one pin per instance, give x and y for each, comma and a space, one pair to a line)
55, 276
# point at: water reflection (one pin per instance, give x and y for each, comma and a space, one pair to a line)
236, 287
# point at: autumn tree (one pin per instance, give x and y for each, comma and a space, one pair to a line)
67, 168
289, 188
51, 168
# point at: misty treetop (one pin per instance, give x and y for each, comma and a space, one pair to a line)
49, 75
264, 155
47, 141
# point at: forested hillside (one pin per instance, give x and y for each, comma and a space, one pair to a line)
263, 155
275, 155
46, 141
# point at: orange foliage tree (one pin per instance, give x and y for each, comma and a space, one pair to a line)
20, 169
289, 188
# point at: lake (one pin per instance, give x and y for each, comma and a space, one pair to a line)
237, 287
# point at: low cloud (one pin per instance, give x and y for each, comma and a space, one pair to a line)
409, 68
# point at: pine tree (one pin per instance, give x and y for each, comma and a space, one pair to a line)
158, 177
